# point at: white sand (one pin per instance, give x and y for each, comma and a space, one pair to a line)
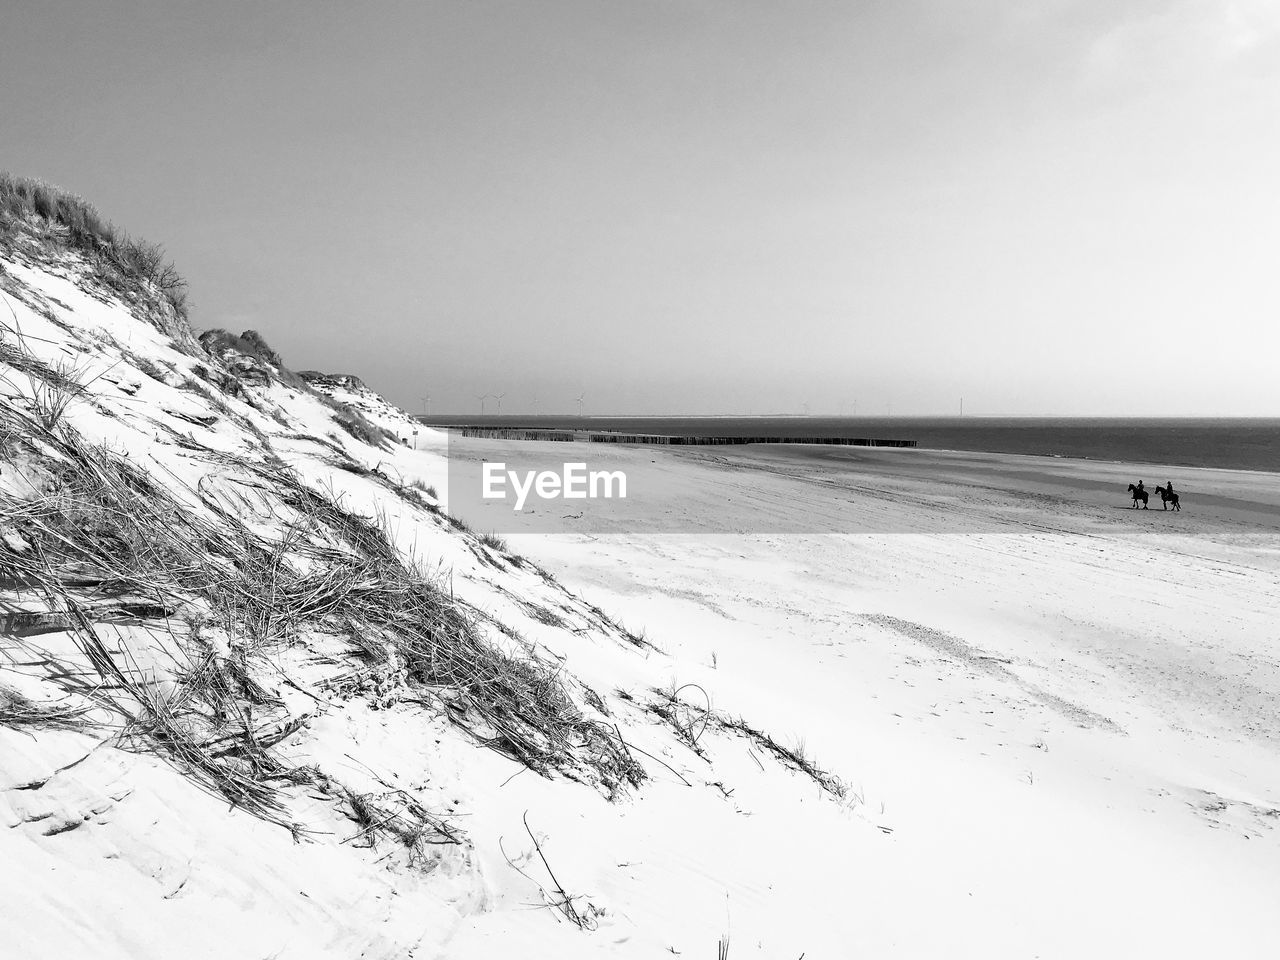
1067, 716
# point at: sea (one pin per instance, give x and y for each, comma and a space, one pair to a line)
1231, 443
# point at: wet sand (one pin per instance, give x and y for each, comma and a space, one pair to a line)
813, 489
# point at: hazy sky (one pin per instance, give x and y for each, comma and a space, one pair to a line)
1053, 207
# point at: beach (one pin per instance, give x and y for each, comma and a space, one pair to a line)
798, 488
776, 701
1058, 711
617, 481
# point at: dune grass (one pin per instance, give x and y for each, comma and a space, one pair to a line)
124, 263
107, 527
493, 541
690, 721
104, 533
17, 710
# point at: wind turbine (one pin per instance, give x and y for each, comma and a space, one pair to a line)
582, 399
426, 405
482, 398
498, 397
536, 401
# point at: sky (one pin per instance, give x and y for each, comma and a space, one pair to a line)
1046, 207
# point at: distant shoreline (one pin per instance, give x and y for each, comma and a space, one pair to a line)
1246, 444
775, 489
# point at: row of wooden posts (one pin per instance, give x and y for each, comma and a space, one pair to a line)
527, 433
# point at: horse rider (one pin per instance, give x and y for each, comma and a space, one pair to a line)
1140, 489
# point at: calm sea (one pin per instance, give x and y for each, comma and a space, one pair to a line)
1239, 444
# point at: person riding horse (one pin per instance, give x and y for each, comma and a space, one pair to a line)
1139, 493
1167, 496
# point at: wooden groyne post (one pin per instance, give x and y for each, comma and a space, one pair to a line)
659, 439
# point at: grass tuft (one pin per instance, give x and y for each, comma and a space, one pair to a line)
494, 542
690, 721
104, 525
18, 711
125, 264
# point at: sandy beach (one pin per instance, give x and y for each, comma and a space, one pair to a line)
1059, 711
789, 488
617, 481
788, 701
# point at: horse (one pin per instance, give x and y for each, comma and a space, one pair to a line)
1167, 497
1138, 495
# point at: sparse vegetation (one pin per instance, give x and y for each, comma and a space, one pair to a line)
150, 368
357, 425
53, 390
546, 617
689, 721
17, 710
105, 525
396, 815
50, 388
794, 756
494, 542
218, 342
425, 487
584, 918
251, 344
123, 263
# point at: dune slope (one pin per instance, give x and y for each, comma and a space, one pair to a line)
261, 696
